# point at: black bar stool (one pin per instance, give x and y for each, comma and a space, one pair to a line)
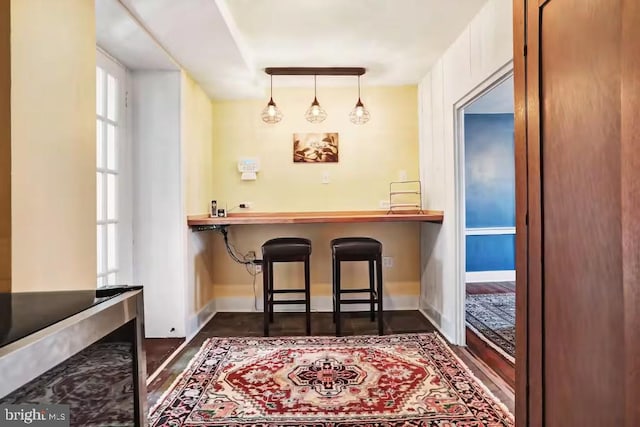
358, 249
284, 249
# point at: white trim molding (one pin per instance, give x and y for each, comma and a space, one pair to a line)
434, 316
489, 231
459, 213
199, 319
490, 276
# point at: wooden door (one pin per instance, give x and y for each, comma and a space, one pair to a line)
578, 175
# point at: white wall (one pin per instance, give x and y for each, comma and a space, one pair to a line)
484, 47
158, 213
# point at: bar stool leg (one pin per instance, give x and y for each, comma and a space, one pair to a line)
380, 297
265, 296
333, 283
337, 296
372, 291
307, 293
271, 295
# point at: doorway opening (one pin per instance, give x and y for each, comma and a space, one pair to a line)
485, 187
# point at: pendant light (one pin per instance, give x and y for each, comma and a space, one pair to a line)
315, 113
359, 115
271, 113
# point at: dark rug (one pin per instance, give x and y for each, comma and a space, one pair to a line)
493, 316
96, 383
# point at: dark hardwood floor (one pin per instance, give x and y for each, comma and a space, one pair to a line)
476, 345
250, 324
157, 350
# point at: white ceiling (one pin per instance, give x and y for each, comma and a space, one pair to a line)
226, 44
498, 100
118, 33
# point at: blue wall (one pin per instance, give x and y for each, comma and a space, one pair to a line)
490, 189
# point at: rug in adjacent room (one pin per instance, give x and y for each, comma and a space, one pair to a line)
407, 380
494, 317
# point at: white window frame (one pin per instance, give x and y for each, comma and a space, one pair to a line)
124, 187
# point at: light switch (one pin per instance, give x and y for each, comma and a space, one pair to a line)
325, 177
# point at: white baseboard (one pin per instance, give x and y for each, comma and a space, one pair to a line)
490, 276
198, 320
442, 324
430, 313
194, 325
318, 304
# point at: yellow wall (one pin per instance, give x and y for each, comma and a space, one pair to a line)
400, 241
197, 146
53, 60
370, 157
5, 146
197, 128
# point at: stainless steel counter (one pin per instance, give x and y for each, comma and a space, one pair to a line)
24, 359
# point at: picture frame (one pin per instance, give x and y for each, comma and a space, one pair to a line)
316, 147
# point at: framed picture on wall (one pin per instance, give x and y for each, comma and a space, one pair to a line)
319, 147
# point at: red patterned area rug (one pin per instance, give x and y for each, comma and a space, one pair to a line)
394, 380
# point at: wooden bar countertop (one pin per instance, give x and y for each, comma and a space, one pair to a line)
316, 217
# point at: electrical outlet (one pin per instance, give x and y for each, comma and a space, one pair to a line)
251, 255
325, 177
258, 268
384, 204
402, 175
387, 262
245, 205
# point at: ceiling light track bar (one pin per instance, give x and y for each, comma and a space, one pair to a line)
315, 71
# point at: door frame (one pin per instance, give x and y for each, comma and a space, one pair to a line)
528, 390
495, 79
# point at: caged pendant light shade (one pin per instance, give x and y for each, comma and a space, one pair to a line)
359, 115
315, 113
271, 114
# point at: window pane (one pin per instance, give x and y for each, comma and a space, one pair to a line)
100, 196
112, 86
111, 279
99, 143
99, 91
111, 147
111, 196
101, 281
100, 253
112, 262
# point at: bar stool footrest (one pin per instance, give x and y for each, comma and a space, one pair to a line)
288, 291
356, 291
357, 301
288, 301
